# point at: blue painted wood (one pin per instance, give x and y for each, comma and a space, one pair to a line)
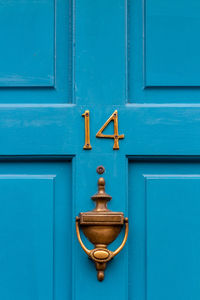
163, 51
27, 229
98, 64
35, 54
173, 245
27, 32
171, 43
35, 221
164, 251
101, 56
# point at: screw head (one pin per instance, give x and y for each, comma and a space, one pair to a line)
100, 169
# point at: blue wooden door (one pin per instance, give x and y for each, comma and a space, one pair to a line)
58, 59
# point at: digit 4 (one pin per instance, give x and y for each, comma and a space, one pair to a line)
116, 136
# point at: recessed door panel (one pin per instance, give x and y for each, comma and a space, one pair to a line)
26, 229
173, 236
35, 230
164, 251
27, 48
35, 54
171, 43
163, 52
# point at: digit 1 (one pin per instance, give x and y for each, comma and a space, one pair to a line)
87, 145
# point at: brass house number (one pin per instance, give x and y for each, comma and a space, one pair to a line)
115, 136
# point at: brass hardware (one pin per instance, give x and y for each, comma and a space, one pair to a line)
101, 254
87, 145
101, 226
100, 169
115, 136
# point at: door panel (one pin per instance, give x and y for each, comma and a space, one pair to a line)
164, 211
35, 54
30, 211
35, 229
163, 51
32, 42
171, 46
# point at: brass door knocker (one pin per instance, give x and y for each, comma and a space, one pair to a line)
101, 226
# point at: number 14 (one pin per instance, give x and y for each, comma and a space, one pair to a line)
116, 136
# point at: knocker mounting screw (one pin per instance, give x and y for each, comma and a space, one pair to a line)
100, 170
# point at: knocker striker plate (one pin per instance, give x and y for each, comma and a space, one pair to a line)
101, 226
